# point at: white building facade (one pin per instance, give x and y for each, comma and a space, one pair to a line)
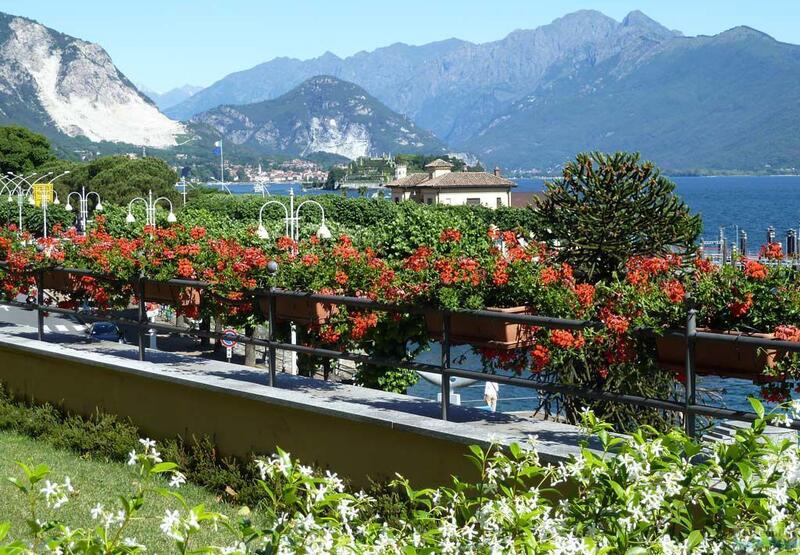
441, 185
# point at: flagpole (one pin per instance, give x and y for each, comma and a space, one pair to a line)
221, 164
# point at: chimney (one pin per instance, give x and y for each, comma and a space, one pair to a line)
497, 171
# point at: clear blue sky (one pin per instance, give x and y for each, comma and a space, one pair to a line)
167, 43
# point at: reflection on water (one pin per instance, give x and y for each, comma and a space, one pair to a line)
724, 392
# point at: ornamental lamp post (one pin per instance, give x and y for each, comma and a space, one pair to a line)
292, 229
46, 199
261, 231
150, 205
83, 206
292, 219
20, 191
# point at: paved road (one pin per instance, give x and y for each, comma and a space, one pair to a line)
53, 323
61, 323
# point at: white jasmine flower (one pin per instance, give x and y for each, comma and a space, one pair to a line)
169, 524
177, 479
96, 511
49, 489
148, 444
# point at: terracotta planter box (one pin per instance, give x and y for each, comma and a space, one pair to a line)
60, 281
164, 293
712, 358
483, 332
300, 310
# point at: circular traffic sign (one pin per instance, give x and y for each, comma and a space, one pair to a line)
229, 338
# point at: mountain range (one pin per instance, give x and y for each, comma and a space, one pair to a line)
528, 101
170, 98
585, 81
322, 114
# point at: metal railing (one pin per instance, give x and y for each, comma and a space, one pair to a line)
689, 408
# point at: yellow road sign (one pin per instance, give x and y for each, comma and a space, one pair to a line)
42, 191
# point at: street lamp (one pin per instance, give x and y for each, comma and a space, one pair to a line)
150, 209
292, 218
83, 206
20, 191
182, 186
291, 223
262, 231
46, 198
222, 185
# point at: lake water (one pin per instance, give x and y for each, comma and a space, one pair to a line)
747, 202
741, 202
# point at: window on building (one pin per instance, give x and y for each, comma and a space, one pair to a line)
499, 202
397, 199
428, 200
474, 201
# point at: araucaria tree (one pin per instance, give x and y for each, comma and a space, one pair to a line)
607, 208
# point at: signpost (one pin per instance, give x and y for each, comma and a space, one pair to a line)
229, 342
42, 193
152, 312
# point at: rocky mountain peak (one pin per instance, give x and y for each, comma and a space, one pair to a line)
742, 32
59, 84
323, 114
638, 20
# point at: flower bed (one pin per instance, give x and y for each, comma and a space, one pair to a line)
644, 493
501, 269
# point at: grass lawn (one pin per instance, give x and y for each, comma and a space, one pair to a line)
96, 482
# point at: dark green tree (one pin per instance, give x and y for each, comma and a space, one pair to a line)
22, 151
118, 179
335, 173
609, 207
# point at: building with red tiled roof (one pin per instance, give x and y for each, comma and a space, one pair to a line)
440, 185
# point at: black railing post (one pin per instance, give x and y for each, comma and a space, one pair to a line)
272, 354
142, 316
40, 306
445, 363
691, 333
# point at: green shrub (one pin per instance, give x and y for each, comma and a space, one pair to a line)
108, 437
650, 492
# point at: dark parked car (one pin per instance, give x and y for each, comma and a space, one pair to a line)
105, 331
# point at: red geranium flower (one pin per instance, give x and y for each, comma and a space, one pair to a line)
450, 236
562, 338
585, 294
548, 276
185, 268
740, 308
771, 251
500, 275
755, 270
787, 333
310, 260
703, 265
674, 290
614, 322
540, 356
